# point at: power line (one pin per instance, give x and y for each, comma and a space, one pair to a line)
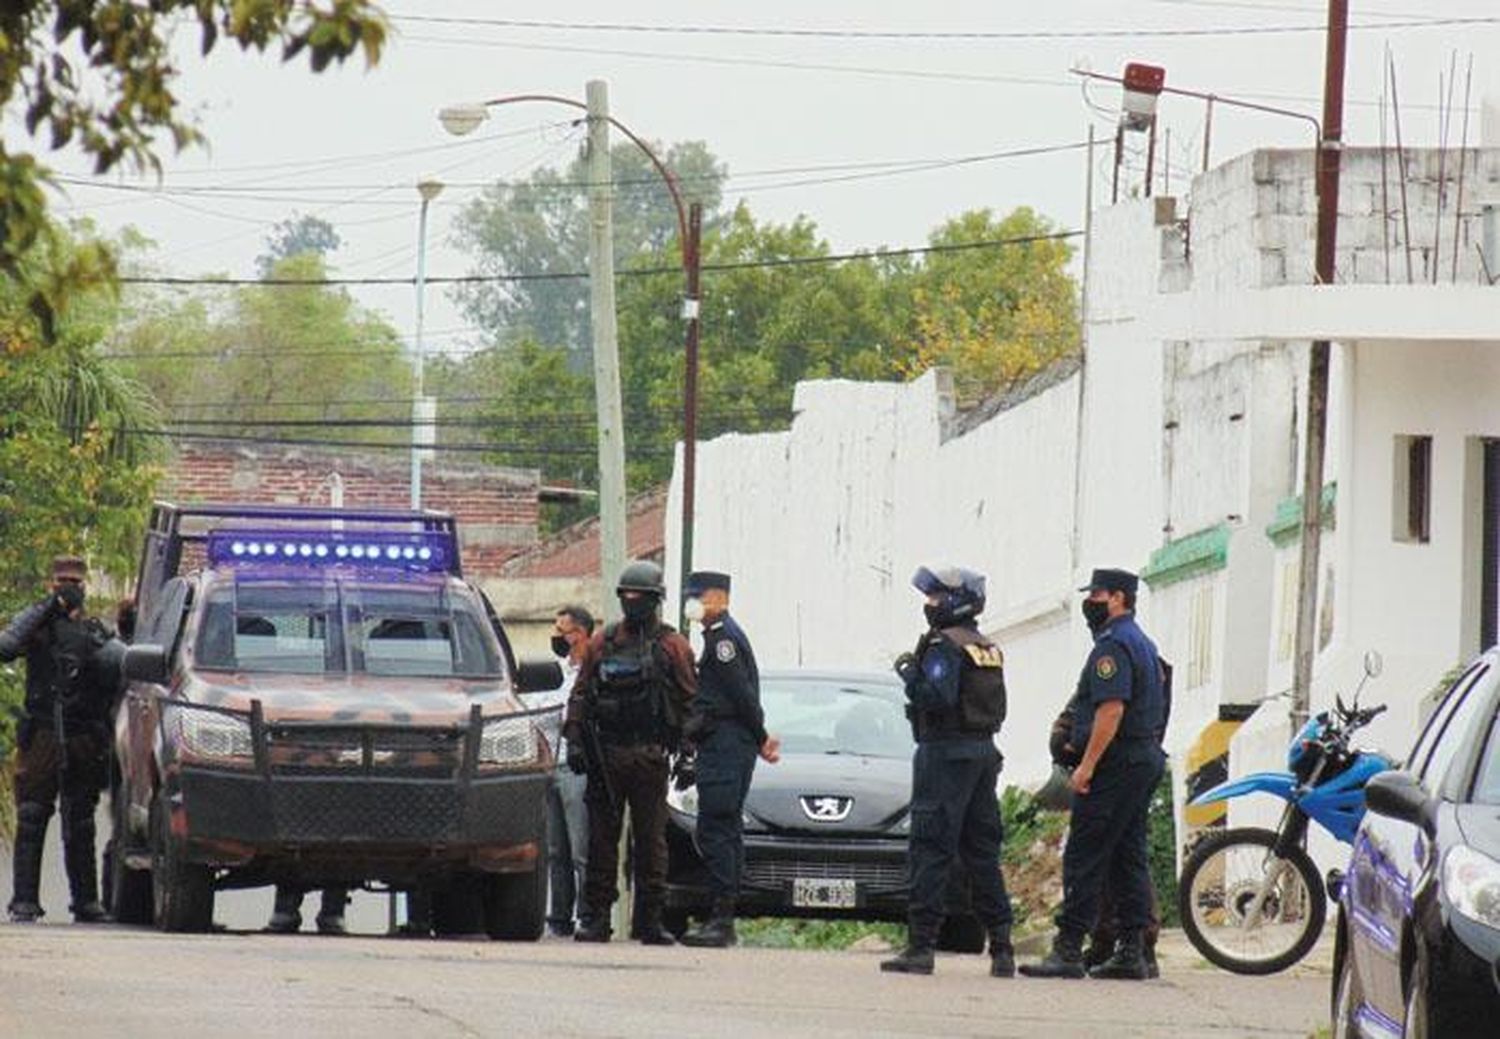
908, 35
403, 445
471, 279
554, 420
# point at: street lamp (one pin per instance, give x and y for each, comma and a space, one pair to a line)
463, 119
423, 408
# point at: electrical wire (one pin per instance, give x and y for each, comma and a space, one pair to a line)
509, 449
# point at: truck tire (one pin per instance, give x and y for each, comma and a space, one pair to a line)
458, 907
182, 891
127, 892
515, 905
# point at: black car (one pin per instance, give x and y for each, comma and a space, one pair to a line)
1418, 945
826, 828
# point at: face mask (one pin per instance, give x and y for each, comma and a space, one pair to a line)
560, 647
639, 609
693, 610
1095, 613
936, 615
72, 596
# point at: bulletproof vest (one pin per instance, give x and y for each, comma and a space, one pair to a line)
981, 684
79, 680
630, 690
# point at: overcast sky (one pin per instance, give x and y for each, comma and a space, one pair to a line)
349, 145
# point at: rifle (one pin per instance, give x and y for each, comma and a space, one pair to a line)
593, 749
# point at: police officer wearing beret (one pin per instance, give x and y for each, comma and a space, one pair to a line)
955, 682
729, 731
1118, 719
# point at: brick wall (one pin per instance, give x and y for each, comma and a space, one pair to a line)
496, 507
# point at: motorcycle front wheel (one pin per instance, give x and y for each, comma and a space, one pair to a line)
1246, 908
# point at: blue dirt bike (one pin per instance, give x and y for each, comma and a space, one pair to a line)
1251, 899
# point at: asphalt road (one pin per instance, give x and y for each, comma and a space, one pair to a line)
58, 979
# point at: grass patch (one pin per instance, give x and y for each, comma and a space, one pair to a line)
790, 933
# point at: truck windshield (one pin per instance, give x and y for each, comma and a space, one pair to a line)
333, 628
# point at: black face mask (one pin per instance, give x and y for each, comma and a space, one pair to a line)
560, 647
1096, 613
72, 596
640, 609
937, 616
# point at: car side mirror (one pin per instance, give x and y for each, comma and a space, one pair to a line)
538, 676
147, 663
1398, 795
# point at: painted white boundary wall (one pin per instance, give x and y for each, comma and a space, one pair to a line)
1192, 404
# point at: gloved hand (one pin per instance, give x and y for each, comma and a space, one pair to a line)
907, 668
578, 761
684, 772
68, 599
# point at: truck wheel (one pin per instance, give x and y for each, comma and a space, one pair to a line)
515, 905
458, 907
127, 891
182, 891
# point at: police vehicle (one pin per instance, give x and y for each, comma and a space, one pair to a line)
316, 697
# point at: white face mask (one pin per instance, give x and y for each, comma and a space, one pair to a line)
693, 610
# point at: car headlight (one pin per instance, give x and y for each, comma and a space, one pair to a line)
508, 741
1472, 884
683, 801
902, 826
209, 734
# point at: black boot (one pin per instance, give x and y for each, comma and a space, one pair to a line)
331, 913
1064, 961
916, 958
650, 931
26, 874
78, 858
1097, 952
286, 915
1002, 953
593, 928
717, 932
1129, 961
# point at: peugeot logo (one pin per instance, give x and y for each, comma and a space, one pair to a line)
824, 808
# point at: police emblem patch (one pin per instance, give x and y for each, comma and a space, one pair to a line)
725, 651
1105, 667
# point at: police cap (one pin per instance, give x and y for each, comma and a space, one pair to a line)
1108, 580
700, 581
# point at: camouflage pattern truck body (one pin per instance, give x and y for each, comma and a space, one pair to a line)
318, 698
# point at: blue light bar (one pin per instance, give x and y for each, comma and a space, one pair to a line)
430, 552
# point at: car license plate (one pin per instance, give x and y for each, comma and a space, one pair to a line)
815, 893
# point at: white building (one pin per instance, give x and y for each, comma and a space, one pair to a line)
1174, 450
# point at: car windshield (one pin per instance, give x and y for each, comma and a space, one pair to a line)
829, 716
345, 627
1487, 779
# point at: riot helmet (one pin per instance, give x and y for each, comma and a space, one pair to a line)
958, 594
641, 589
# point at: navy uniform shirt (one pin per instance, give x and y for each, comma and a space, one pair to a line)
1123, 665
728, 679
936, 687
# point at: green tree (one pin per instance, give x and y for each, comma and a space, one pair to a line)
98, 76
541, 225
294, 236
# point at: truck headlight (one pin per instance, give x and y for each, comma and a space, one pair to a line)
684, 802
508, 741
1472, 884
209, 734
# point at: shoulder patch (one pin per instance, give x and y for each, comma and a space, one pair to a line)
985, 656
725, 651
1105, 667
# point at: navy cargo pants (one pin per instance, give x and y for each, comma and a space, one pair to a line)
726, 761
955, 813
1107, 838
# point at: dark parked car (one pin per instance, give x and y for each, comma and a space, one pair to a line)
1418, 946
826, 828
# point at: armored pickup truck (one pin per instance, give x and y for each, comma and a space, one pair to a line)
317, 697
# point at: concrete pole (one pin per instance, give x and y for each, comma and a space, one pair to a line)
1327, 164
606, 351
423, 433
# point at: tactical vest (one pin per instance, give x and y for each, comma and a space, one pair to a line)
981, 684
631, 694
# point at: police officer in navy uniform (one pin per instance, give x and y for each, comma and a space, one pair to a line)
728, 729
955, 682
624, 719
1118, 714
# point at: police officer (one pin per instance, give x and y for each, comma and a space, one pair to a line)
1117, 720
728, 730
955, 682
625, 716
72, 678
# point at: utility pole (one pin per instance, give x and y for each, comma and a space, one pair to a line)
423, 410
1327, 163
606, 351
690, 401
